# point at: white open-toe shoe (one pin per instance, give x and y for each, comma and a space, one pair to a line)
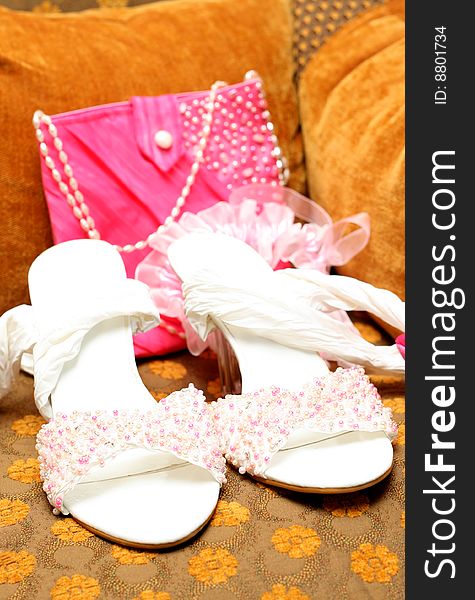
296, 424
132, 470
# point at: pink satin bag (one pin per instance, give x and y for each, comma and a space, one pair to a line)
121, 170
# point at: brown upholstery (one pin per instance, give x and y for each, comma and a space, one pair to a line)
352, 112
59, 62
262, 543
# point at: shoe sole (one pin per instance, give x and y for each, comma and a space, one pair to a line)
316, 490
116, 540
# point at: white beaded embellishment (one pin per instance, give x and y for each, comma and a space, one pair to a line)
70, 445
242, 148
254, 426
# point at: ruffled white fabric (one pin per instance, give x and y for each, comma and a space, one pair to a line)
292, 311
263, 216
329, 292
17, 335
53, 346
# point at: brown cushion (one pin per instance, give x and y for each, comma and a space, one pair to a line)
62, 62
352, 112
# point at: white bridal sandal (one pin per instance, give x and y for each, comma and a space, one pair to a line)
134, 471
296, 425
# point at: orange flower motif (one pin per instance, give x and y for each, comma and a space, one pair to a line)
296, 541
280, 592
12, 511
15, 566
213, 566
374, 563
229, 514
348, 505
77, 587
68, 530
28, 425
151, 595
26, 471
131, 557
214, 387
396, 404
46, 7
168, 369
401, 434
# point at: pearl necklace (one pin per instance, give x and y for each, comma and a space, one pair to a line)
74, 196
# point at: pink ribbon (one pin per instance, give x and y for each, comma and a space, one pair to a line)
262, 215
327, 243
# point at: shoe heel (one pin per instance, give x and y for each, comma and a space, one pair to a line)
228, 365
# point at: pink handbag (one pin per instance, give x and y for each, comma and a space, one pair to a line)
122, 171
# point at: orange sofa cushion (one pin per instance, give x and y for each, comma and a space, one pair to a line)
352, 112
60, 62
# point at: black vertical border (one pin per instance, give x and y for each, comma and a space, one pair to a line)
430, 128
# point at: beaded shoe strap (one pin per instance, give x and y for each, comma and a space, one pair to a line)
253, 427
70, 445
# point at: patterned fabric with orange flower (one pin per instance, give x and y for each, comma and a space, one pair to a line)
67, 530
15, 566
229, 514
296, 541
213, 567
28, 425
397, 404
374, 563
131, 557
26, 471
168, 369
12, 511
78, 587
